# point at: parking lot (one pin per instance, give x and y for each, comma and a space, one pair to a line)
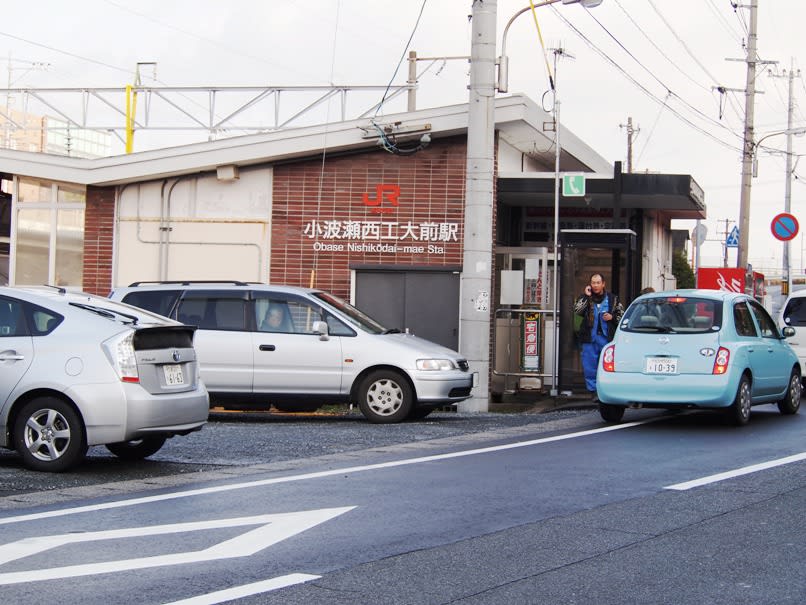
234, 443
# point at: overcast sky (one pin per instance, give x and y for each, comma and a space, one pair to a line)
656, 61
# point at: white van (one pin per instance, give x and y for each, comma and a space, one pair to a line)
298, 349
793, 314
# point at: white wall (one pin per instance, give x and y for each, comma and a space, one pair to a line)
195, 228
656, 252
511, 159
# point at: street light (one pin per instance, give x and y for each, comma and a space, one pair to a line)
786, 277
503, 60
503, 85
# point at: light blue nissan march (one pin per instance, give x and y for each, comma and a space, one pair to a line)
698, 349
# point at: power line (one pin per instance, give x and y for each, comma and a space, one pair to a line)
650, 94
670, 92
724, 22
652, 42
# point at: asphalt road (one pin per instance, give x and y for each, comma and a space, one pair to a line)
557, 508
234, 442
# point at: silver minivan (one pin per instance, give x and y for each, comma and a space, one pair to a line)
79, 370
299, 348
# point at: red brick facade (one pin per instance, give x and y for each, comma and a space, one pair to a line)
99, 231
415, 219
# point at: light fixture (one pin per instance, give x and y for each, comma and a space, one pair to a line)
227, 173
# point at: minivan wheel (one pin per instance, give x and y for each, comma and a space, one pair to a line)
136, 449
49, 435
740, 410
385, 397
611, 413
790, 404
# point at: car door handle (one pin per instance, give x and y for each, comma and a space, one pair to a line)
267, 347
11, 357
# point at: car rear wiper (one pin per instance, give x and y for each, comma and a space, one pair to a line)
391, 331
661, 329
109, 313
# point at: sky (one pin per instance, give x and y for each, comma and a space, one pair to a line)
658, 62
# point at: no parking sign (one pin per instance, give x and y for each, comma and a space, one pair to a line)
784, 227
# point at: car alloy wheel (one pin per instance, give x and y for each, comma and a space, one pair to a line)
49, 435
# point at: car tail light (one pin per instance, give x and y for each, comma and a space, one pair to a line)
721, 361
609, 358
120, 351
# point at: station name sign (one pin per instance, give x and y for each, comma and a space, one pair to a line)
379, 235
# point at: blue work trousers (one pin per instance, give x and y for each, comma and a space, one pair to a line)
590, 359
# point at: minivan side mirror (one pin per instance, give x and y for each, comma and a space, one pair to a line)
788, 332
320, 327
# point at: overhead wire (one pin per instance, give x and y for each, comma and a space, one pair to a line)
649, 39
653, 74
646, 91
389, 144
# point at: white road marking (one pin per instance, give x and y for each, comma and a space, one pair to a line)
745, 470
237, 592
273, 529
317, 475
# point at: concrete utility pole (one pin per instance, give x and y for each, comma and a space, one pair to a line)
747, 152
786, 277
476, 279
630, 132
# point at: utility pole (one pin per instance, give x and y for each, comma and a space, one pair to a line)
476, 278
630, 132
749, 145
786, 277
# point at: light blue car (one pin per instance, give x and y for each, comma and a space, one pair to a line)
698, 349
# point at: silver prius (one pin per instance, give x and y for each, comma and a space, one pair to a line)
78, 370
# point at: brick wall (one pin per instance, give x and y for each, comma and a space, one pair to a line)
99, 229
316, 209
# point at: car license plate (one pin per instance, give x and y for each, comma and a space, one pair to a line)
661, 365
173, 374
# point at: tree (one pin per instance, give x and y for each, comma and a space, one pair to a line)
682, 271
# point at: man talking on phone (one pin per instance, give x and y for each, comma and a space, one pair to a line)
600, 311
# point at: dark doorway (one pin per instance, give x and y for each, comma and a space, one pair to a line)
611, 252
426, 302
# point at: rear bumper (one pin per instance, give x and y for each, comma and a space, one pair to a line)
684, 390
119, 411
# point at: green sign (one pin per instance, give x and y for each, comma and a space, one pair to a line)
573, 185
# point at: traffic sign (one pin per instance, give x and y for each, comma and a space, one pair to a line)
733, 238
784, 227
573, 185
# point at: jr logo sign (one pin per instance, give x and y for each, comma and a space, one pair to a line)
387, 193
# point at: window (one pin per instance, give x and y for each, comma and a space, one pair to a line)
743, 320
678, 314
765, 322
276, 313
156, 301
795, 312
49, 233
12, 319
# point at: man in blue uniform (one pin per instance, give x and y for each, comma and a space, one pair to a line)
600, 311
